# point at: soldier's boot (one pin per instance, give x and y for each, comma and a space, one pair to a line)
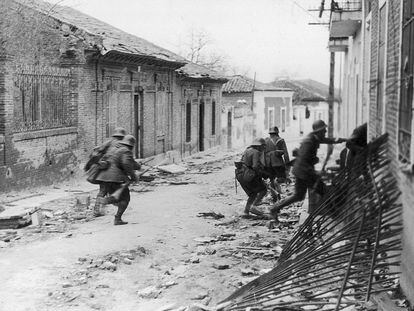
98, 209
122, 206
275, 191
249, 204
274, 212
259, 198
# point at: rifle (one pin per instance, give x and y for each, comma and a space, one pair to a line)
116, 195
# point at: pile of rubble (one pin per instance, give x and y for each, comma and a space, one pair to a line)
77, 285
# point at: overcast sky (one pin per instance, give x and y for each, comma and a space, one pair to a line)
269, 37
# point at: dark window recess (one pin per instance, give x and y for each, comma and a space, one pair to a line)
188, 121
406, 98
213, 118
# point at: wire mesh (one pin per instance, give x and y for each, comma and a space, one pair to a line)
347, 249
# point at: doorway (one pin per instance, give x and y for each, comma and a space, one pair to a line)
138, 131
229, 129
201, 126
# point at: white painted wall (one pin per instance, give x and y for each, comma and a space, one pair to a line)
259, 111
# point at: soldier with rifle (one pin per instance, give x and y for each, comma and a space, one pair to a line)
304, 170
119, 174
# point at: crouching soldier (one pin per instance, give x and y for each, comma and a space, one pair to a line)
119, 174
250, 172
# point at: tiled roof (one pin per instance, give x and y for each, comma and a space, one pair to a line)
113, 39
307, 90
242, 84
195, 71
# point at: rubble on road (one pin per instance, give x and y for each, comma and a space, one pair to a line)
213, 215
16, 217
172, 169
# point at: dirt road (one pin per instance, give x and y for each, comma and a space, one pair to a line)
165, 258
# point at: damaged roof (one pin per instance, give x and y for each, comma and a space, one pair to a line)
112, 38
242, 84
194, 71
306, 90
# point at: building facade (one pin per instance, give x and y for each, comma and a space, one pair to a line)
250, 108
80, 80
379, 34
199, 116
309, 103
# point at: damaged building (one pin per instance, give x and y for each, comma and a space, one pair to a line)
67, 80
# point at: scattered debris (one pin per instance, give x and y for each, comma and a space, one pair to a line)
172, 169
150, 292
221, 266
213, 215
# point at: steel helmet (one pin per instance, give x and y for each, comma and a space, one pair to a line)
128, 140
119, 132
258, 142
318, 126
274, 130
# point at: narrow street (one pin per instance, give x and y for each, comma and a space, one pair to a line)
167, 257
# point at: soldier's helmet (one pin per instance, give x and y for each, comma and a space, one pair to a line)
119, 132
274, 130
319, 125
258, 142
128, 140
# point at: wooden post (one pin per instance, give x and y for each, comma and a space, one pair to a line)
330, 108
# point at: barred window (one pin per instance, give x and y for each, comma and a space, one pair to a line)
406, 99
42, 99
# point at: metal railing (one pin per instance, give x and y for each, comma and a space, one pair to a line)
346, 249
343, 5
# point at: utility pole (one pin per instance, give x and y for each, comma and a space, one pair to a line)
331, 99
253, 87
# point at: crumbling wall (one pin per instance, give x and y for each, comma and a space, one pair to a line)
34, 44
242, 119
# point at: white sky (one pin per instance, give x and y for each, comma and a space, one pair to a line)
269, 37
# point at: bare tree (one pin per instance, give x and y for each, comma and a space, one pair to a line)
198, 48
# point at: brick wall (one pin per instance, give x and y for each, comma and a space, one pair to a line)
372, 124
405, 180
392, 79
196, 92
42, 157
37, 156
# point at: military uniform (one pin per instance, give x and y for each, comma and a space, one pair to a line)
118, 175
276, 156
250, 174
303, 168
97, 163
